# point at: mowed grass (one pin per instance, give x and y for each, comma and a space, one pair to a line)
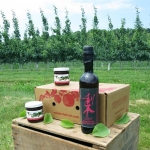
17, 87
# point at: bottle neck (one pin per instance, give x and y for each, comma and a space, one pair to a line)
88, 66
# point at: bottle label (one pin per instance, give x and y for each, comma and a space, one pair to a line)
61, 78
89, 107
34, 115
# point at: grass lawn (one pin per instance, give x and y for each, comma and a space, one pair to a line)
17, 87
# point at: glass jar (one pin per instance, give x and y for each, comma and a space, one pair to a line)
34, 111
61, 76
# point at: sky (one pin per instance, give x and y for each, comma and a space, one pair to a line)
116, 9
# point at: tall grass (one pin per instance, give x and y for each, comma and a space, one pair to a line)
17, 87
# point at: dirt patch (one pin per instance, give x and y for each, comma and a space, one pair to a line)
132, 104
142, 101
6, 97
139, 102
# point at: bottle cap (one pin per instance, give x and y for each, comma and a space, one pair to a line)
33, 104
88, 50
61, 69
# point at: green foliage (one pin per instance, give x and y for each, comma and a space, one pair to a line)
96, 37
19, 53
57, 30
6, 51
1, 48
48, 118
67, 29
26, 47
23, 113
83, 29
123, 120
110, 25
16, 26
121, 41
110, 45
17, 88
45, 26
110, 42
31, 30
56, 40
67, 123
70, 42
138, 24
35, 43
95, 20
100, 130
5, 23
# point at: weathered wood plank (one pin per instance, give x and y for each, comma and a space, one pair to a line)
124, 136
74, 133
26, 139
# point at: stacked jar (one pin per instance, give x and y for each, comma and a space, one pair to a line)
61, 76
34, 111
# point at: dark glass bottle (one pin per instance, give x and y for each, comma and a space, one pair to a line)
89, 91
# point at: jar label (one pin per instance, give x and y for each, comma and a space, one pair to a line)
89, 107
33, 115
61, 78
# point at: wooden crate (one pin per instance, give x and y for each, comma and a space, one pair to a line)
40, 136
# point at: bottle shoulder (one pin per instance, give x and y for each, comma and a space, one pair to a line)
89, 79
88, 76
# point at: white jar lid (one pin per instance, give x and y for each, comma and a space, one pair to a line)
61, 69
33, 104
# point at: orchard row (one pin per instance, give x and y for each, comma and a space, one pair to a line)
64, 45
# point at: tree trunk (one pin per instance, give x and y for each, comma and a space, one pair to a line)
134, 64
108, 66
47, 64
11, 66
29, 65
37, 65
147, 65
102, 64
121, 65
95, 65
20, 65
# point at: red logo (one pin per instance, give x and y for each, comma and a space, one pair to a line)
67, 97
88, 103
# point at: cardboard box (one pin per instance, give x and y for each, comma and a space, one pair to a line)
40, 136
63, 101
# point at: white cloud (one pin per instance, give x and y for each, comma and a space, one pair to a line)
21, 7
73, 6
115, 4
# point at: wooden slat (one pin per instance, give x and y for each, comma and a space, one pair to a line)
133, 116
74, 133
118, 132
26, 139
